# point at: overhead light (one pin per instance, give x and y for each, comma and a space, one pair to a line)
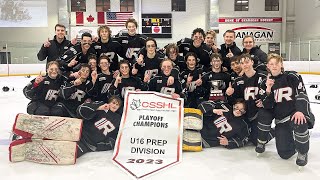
246, 7
242, 2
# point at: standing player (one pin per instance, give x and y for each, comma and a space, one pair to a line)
43, 91
131, 42
259, 57
197, 46
210, 40
229, 49
247, 87
223, 125
53, 49
285, 99
108, 46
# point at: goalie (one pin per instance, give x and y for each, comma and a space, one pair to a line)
60, 140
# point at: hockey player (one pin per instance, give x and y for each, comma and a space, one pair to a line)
223, 125
247, 87
197, 46
43, 90
75, 93
172, 53
210, 40
131, 42
100, 126
285, 99
53, 49
75, 55
103, 82
216, 81
126, 82
159, 83
191, 80
259, 57
108, 46
236, 68
150, 64
229, 49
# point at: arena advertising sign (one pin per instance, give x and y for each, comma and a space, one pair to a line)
150, 135
260, 34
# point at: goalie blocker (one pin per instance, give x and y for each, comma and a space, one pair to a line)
192, 124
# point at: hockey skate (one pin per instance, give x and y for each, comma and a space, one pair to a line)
302, 160
260, 148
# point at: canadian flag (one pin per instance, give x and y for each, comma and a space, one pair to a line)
86, 18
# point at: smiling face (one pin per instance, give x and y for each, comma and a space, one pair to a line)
246, 64
197, 39
53, 71
151, 47
191, 62
132, 29
235, 66
216, 63
239, 109
229, 38
166, 67
86, 42
60, 32
124, 69
104, 64
248, 43
84, 72
275, 66
209, 40
114, 105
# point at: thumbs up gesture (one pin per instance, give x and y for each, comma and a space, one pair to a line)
230, 90
269, 83
47, 43
230, 54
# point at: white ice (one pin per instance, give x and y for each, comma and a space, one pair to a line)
212, 163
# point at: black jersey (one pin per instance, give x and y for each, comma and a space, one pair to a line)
235, 129
203, 52
99, 126
71, 53
101, 87
248, 88
127, 84
46, 92
259, 58
111, 49
233, 76
224, 50
73, 95
216, 85
159, 84
131, 45
288, 95
196, 74
150, 66
54, 51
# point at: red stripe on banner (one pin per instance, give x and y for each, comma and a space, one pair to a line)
79, 18
251, 27
101, 19
251, 20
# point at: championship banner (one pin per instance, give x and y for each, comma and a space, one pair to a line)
150, 135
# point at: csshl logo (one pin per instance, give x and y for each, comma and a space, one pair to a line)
137, 104
260, 34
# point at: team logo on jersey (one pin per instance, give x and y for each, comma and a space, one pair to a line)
74, 51
66, 47
97, 47
46, 82
186, 48
159, 81
240, 82
102, 78
125, 41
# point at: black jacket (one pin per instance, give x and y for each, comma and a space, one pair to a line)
224, 50
259, 58
54, 51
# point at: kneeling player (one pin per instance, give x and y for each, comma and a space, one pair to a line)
285, 99
223, 125
52, 140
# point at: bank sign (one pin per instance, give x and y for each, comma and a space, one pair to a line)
260, 34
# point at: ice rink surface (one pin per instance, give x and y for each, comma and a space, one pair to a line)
212, 163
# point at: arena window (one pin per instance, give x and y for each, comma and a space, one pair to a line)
272, 5
241, 5
102, 5
178, 5
127, 5
78, 5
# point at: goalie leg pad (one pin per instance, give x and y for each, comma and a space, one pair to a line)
49, 127
43, 151
192, 119
192, 141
